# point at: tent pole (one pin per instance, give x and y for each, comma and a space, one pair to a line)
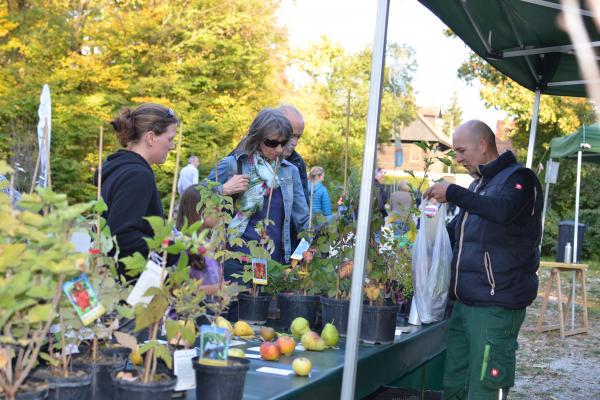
533, 129
545, 210
365, 201
575, 236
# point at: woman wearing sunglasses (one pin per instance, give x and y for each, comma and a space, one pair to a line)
249, 175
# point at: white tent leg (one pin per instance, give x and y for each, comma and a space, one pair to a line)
365, 201
575, 236
533, 129
545, 210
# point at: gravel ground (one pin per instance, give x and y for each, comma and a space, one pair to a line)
551, 368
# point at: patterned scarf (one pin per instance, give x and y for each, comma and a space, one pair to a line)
261, 179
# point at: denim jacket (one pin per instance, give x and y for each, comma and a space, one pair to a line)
291, 188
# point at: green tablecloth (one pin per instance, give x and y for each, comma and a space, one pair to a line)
377, 366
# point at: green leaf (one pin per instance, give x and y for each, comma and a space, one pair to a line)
163, 353
39, 313
55, 362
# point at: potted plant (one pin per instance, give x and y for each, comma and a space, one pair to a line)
304, 284
104, 353
389, 264
36, 258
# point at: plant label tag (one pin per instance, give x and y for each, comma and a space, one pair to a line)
259, 271
83, 298
302, 247
253, 348
182, 368
236, 343
148, 279
214, 345
275, 371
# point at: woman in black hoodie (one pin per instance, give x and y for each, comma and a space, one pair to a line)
128, 183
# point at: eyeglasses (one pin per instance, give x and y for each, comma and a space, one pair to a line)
274, 143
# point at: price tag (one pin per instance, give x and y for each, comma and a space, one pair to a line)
182, 367
252, 355
148, 279
275, 371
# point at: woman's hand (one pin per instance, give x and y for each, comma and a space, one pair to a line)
237, 184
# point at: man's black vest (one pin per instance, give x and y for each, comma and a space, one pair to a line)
495, 264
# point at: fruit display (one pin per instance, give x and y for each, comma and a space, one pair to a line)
269, 351
312, 341
330, 335
299, 327
223, 323
302, 366
234, 352
267, 333
242, 328
287, 345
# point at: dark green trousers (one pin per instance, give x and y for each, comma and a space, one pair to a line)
481, 352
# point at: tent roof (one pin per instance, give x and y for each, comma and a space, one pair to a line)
521, 39
568, 146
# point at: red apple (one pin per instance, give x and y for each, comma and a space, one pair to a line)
269, 351
287, 345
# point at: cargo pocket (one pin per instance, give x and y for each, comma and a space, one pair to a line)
498, 368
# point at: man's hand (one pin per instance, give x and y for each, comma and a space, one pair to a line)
237, 184
438, 192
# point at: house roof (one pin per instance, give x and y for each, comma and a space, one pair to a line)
421, 130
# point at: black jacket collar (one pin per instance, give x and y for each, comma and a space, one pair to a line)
490, 169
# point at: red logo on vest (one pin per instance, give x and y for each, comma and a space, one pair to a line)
494, 372
518, 186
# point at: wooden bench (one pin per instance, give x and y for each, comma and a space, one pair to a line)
555, 269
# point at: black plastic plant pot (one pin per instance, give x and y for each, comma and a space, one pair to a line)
378, 324
77, 386
254, 309
293, 306
221, 382
159, 390
111, 358
335, 311
36, 389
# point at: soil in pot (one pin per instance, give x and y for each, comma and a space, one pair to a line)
77, 386
378, 324
254, 309
33, 389
335, 311
293, 306
216, 382
161, 389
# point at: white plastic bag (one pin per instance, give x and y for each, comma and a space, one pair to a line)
432, 255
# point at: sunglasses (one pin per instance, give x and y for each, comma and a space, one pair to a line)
274, 143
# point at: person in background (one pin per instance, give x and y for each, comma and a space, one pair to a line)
321, 203
201, 267
401, 202
146, 134
188, 175
382, 196
496, 254
14, 195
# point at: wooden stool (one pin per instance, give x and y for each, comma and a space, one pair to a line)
556, 269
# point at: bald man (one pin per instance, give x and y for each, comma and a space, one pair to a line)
495, 240
289, 152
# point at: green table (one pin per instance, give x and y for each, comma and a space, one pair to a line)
377, 366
